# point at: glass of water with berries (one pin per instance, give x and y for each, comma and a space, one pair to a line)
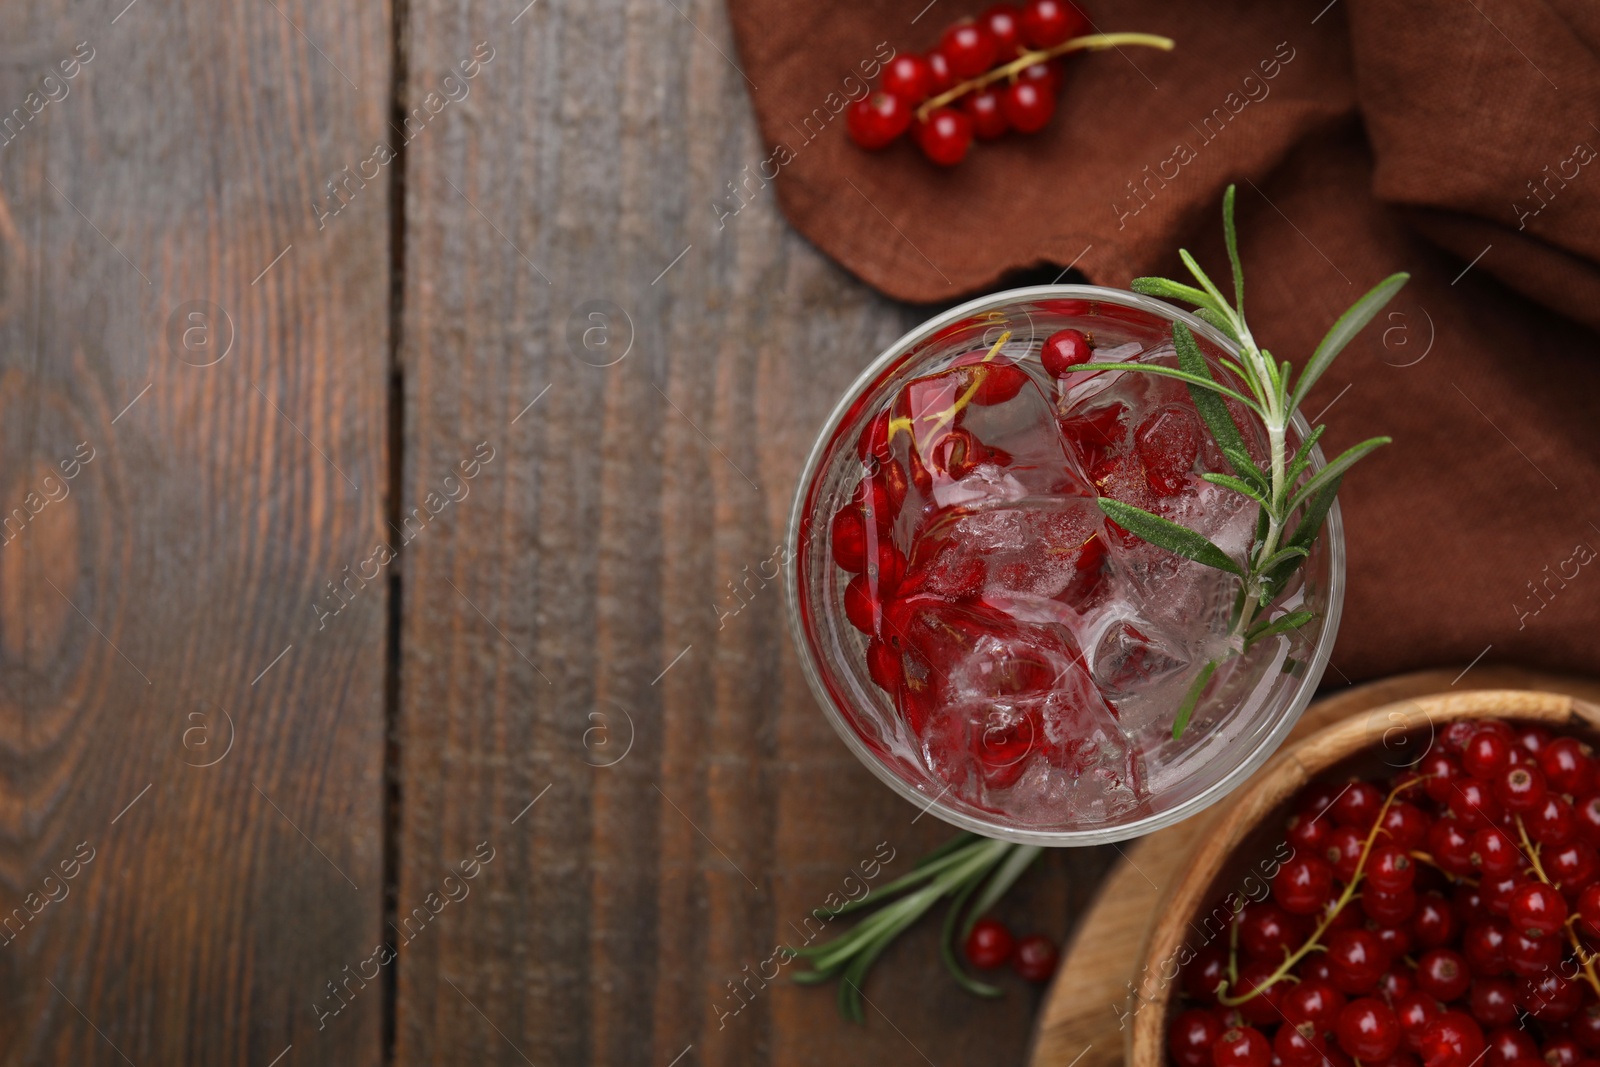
1068, 564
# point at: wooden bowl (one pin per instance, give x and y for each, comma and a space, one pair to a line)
1228, 848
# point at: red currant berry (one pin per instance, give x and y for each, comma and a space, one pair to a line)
1035, 958
1345, 846
1467, 900
1451, 846
1537, 909
1356, 959
1586, 818
1454, 736
877, 120
1474, 804
1306, 834
1205, 972
1394, 984
1244, 1046
1493, 1002
1389, 909
883, 665
1588, 909
988, 118
1315, 968
1047, 75
1494, 853
1004, 23
861, 607
1028, 106
1487, 753
1191, 1037
1441, 772
1442, 973
1367, 1029
1568, 765
1508, 1045
1064, 350
1531, 740
1529, 957
1584, 1027
1390, 869
1318, 798
997, 381
1451, 1040
1358, 806
1047, 23
1571, 866
849, 540
1314, 1002
874, 439
970, 48
940, 76
1484, 946
1298, 1046
945, 136
1561, 1052
1550, 998
1265, 995
1520, 789
988, 944
1266, 930
1398, 941
1497, 892
1406, 825
907, 76
1553, 823
1302, 884
1435, 922
1414, 1012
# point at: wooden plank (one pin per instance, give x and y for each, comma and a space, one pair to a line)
166, 695
583, 575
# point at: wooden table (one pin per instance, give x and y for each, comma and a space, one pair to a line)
421, 420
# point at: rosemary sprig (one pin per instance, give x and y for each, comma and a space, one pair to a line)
1292, 502
966, 865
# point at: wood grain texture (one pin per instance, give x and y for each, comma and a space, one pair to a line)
584, 575
1088, 1015
140, 608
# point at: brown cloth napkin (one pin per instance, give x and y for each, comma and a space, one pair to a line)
1456, 139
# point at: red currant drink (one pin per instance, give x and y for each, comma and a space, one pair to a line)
981, 633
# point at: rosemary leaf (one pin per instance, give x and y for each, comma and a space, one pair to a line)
1169, 535
1349, 324
1173, 372
1335, 469
1231, 237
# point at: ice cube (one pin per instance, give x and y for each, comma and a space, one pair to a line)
1035, 547
1010, 706
1133, 656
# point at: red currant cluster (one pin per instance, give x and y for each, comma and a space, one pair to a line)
916, 92
1479, 908
990, 945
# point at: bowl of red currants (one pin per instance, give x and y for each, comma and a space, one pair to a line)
978, 630
1416, 887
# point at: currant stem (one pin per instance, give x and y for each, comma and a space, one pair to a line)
1094, 42
1585, 959
1313, 942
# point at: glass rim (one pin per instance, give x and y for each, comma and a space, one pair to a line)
1266, 745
